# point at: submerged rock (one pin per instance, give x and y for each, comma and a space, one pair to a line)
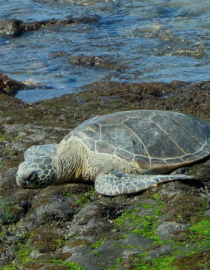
96, 61
16, 28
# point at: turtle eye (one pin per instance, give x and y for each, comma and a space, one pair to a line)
32, 176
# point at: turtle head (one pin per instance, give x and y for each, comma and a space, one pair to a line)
36, 173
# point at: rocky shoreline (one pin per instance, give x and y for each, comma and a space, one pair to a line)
71, 226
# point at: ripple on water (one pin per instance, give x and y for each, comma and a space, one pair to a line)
151, 40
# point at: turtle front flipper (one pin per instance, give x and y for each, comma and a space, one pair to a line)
117, 183
36, 151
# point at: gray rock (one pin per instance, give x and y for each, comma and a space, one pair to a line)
163, 250
54, 208
136, 241
89, 220
207, 212
18, 146
86, 213
94, 259
35, 254
9, 179
166, 229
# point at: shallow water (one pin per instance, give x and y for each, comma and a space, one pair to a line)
151, 41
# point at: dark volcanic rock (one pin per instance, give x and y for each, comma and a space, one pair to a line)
166, 229
11, 27
16, 28
10, 86
51, 208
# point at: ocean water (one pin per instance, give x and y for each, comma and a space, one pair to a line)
150, 41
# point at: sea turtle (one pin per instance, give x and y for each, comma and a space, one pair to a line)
123, 152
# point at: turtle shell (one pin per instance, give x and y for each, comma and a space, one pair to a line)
155, 140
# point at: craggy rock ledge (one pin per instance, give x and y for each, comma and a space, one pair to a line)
10, 86
16, 28
71, 226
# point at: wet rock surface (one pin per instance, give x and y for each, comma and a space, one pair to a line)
71, 226
10, 86
15, 28
105, 62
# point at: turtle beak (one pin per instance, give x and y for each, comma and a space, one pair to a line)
20, 182
26, 180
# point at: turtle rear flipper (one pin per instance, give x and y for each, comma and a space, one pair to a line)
117, 183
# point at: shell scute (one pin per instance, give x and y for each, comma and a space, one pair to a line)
79, 135
174, 161
178, 131
124, 138
91, 144
206, 148
103, 147
159, 166
124, 154
155, 139
195, 127
189, 157
116, 119
143, 162
92, 131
